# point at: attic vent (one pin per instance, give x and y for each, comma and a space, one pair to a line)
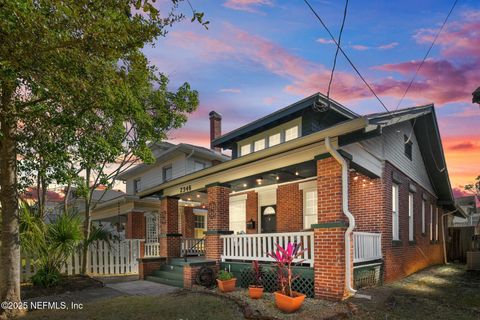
408, 147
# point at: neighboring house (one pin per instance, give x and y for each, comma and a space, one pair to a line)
295, 176
135, 218
468, 204
53, 201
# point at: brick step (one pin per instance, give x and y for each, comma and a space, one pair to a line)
168, 275
170, 282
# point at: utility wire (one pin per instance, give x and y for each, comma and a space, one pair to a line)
336, 51
345, 55
426, 54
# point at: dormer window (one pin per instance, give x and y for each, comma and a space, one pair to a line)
245, 149
291, 133
408, 147
274, 139
259, 145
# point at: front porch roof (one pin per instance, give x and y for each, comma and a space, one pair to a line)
295, 151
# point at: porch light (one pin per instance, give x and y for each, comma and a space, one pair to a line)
198, 196
296, 173
244, 185
278, 178
355, 178
189, 199
259, 180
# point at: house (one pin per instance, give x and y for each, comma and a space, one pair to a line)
464, 232
128, 216
53, 201
355, 190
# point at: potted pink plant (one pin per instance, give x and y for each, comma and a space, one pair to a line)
286, 299
255, 290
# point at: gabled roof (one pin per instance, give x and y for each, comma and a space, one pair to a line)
281, 116
169, 150
429, 141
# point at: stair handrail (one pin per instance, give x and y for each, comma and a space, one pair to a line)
185, 255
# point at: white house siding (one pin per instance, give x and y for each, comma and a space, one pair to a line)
390, 146
190, 163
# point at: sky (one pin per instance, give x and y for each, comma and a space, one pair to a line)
261, 55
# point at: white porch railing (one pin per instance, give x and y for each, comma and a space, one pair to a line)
367, 246
257, 246
118, 257
152, 249
472, 221
193, 247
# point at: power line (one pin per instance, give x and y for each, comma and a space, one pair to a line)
345, 55
426, 55
336, 51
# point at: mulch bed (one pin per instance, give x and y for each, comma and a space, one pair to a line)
67, 284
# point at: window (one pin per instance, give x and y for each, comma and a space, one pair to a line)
246, 149
436, 224
137, 185
424, 204
238, 216
273, 140
310, 212
167, 173
408, 147
431, 222
410, 217
259, 145
395, 225
198, 166
291, 133
199, 221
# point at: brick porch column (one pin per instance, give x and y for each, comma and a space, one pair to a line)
217, 220
329, 233
135, 225
170, 238
188, 225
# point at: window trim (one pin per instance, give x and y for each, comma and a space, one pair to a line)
436, 224
304, 209
137, 185
297, 127
255, 144
411, 214
395, 212
279, 134
164, 170
424, 205
249, 145
431, 222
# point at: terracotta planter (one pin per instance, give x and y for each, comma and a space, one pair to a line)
227, 285
289, 304
255, 292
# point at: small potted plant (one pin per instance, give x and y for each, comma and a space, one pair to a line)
286, 299
255, 290
226, 281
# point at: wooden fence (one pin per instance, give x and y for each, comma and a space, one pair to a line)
114, 258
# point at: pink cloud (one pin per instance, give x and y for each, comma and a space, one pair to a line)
360, 47
230, 90
387, 46
463, 146
325, 41
247, 5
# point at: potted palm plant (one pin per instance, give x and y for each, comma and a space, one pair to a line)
286, 299
226, 281
255, 290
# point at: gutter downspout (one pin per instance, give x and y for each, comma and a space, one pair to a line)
346, 212
443, 233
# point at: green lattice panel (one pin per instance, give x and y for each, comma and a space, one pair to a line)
270, 282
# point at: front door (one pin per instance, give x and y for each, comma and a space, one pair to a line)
269, 218
200, 225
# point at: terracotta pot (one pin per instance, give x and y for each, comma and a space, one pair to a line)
289, 304
255, 292
227, 285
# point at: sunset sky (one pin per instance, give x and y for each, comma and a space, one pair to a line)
261, 55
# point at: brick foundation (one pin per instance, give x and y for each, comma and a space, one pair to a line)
190, 274
135, 225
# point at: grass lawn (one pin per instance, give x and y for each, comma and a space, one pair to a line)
172, 306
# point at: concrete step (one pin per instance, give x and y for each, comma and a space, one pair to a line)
168, 275
170, 282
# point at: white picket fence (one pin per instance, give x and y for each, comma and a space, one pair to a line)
248, 247
152, 249
114, 258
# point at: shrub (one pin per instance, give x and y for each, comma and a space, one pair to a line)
224, 275
257, 273
284, 259
45, 277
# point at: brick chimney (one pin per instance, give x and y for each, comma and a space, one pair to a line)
215, 128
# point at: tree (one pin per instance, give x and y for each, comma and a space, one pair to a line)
62, 64
474, 188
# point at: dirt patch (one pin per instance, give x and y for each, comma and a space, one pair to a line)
265, 308
440, 292
67, 284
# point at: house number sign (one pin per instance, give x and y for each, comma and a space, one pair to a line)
185, 189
